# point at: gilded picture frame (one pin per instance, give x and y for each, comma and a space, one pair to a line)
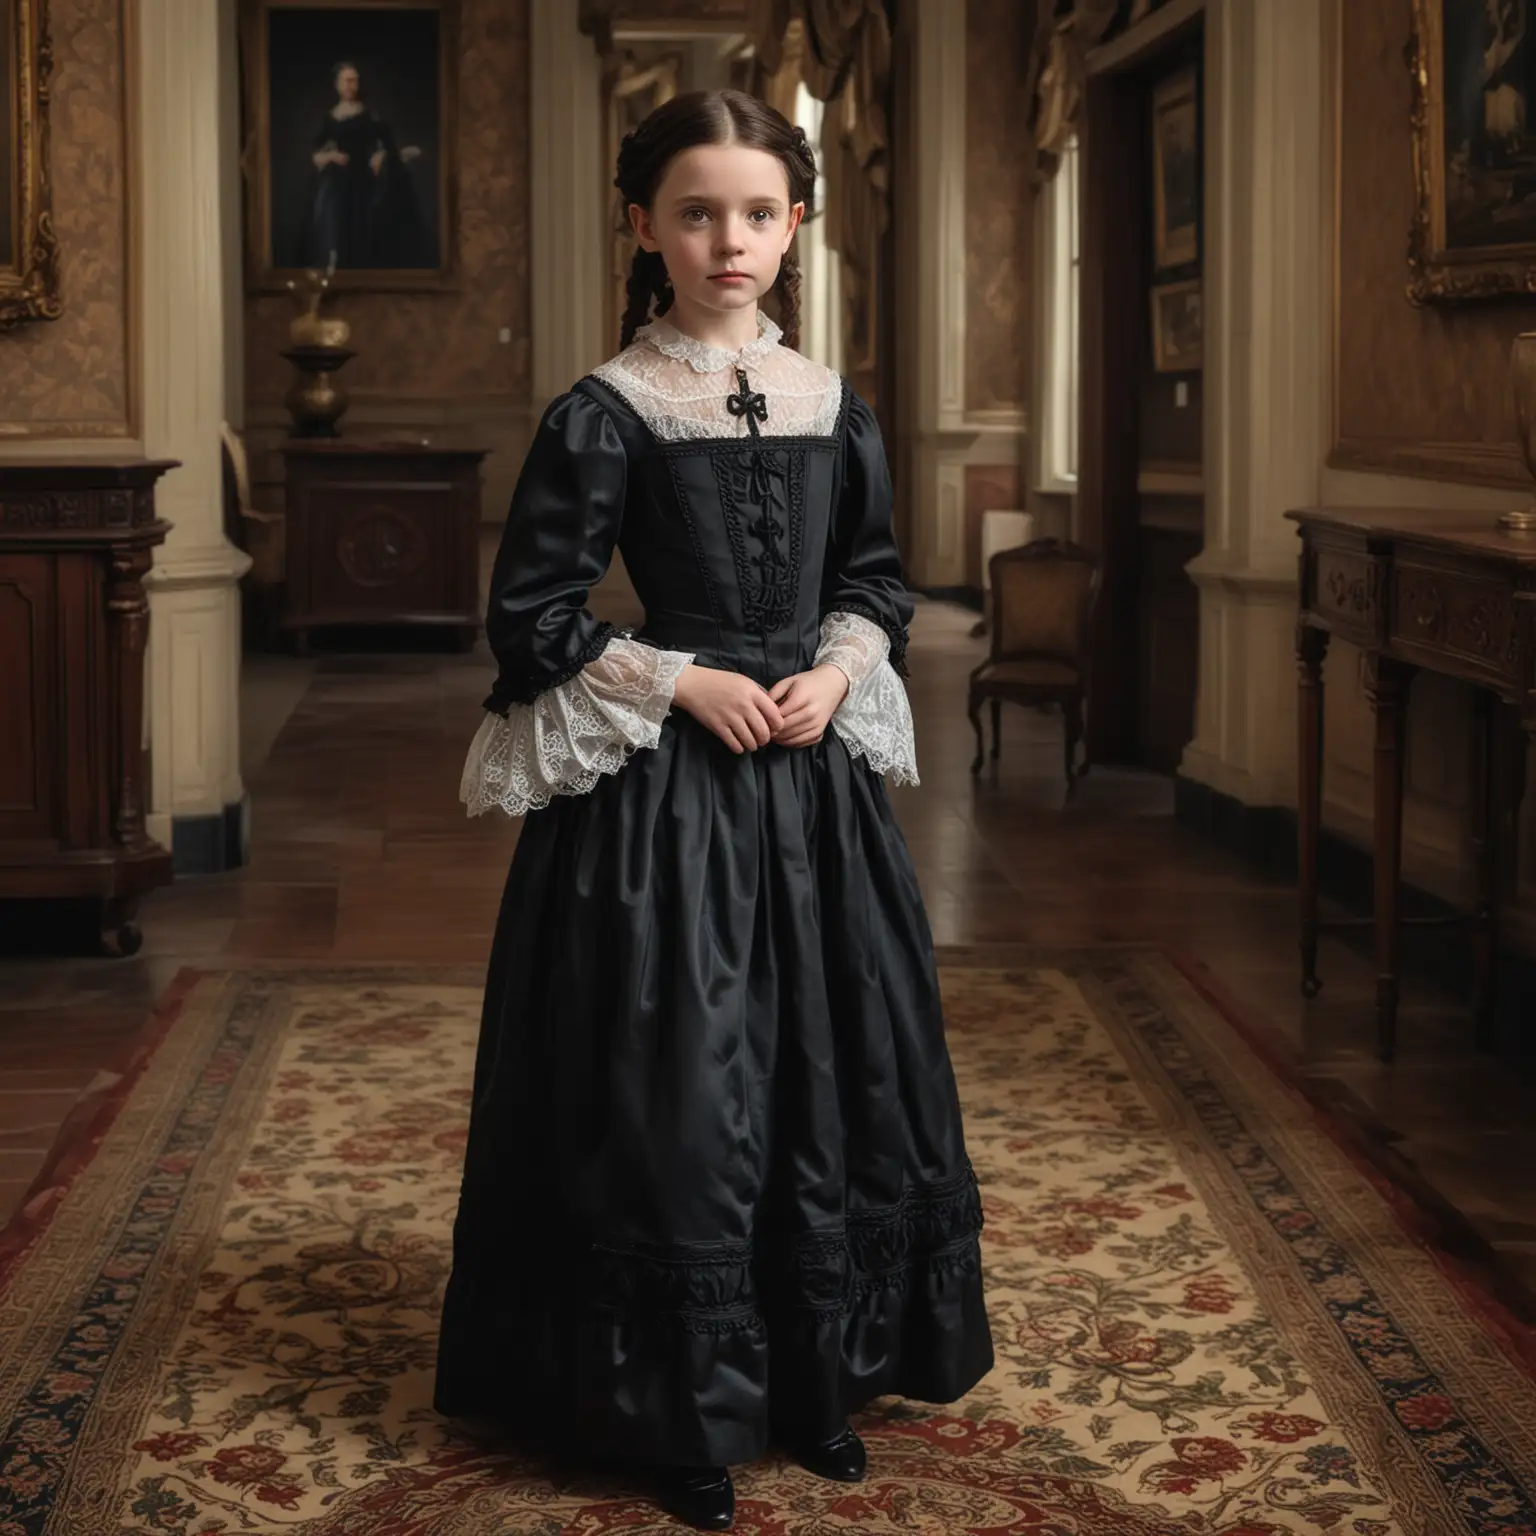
1178, 327
1176, 171
1473, 234
351, 143
29, 250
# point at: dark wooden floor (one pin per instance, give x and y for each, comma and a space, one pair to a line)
361, 852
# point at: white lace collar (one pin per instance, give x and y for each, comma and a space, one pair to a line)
700, 355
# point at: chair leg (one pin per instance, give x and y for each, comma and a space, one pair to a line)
1072, 735
973, 711
997, 728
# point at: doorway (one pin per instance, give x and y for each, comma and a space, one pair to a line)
1141, 492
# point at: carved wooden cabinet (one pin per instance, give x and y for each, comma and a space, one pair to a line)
382, 533
75, 541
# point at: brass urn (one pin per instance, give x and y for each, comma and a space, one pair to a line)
317, 399
1522, 376
309, 328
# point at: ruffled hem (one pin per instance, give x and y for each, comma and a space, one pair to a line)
715, 1287
663, 1354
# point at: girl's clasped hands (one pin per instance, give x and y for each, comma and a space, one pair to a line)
795, 712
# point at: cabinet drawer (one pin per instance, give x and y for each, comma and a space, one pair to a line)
1345, 591
1462, 617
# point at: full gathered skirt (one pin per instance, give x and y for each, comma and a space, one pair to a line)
716, 1189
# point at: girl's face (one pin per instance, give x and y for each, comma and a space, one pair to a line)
722, 220
347, 84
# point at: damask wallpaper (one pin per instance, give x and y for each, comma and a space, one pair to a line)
70, 377
997, 206
444, 347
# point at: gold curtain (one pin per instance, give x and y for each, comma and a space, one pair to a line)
1057, 74
841, 49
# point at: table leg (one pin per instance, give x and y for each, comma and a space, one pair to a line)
1513, 760
1489, 793
1311, 648
1387, 684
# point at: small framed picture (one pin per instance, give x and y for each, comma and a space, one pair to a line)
1178, 328
1176, 172
351, 110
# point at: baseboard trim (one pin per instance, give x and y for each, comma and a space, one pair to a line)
1264, 836
208, 845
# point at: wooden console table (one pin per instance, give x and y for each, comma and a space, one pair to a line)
1419, 590
381, 533
75, 541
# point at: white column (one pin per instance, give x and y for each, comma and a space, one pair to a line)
1266, 385
568, 200
194, 634
940, 435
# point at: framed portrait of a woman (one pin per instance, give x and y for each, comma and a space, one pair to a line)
351, 141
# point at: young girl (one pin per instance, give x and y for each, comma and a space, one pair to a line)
716, 1192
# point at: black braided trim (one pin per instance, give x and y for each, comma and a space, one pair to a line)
686, 512
524, 686
769, 581
716, 1288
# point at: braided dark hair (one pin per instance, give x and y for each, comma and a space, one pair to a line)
685, 122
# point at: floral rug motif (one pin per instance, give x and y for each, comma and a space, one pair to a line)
1209, 1322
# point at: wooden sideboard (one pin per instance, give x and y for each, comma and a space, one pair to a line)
75, 541
381, 534
1419, 590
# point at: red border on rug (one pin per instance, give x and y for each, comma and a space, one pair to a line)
77, 1145
1475, 1281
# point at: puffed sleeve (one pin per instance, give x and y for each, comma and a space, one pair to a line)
863, 573
561, 531
866, 607
574, 695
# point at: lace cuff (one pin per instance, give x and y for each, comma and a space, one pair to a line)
853, 645
875, 718
571, 735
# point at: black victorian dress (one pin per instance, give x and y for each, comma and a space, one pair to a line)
716, 1188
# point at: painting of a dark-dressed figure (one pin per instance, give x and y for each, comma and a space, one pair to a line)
356, 114
1490, 146
360, 208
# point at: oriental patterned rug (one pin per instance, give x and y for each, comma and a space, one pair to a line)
1210, 1321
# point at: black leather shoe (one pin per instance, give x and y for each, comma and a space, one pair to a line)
841, 1459
703, 1497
